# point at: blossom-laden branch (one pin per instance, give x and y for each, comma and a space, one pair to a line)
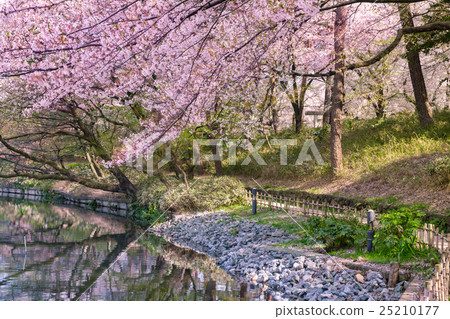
437, 26
175, 59
350, 2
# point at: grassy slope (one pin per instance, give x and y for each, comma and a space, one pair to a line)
382, 158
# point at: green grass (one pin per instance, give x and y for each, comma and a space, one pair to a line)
376, 257
369, 146
305, 237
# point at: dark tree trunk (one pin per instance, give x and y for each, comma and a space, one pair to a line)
327, 102
298, 119
298, 103
124, 183
415, 70
217, 160
301, 102
338, 91
297, 99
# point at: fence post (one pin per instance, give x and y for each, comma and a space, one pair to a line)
254, 206
447, 273
429, 290
393, 273
370, 230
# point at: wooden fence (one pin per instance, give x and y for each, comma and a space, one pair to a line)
437, 289
429, 236
305, 207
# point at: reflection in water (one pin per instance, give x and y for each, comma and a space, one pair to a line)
60, 253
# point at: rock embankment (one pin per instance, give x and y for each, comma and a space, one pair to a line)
246, 250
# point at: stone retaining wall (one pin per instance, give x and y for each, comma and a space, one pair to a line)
117, 207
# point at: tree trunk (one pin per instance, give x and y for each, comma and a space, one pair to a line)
415, 70
91, 165
200, 167
124, 183
217, 160
163, 180
327, 102
98, 168
95, 168
183, 172
297, 99
179, 170
380, 104
301, 105
337, 97
275, 120
298, 118
298, 102
298, 107
272, 106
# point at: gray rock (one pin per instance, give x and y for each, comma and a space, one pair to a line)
374, 275
348, 291
310, 264
306, 277
262, 278
297, 265
281, 274
400, 287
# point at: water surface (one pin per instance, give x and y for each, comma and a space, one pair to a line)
61, 253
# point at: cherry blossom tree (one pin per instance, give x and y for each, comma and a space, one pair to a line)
176, 59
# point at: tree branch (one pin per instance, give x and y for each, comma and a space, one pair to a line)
350, 2
436, 26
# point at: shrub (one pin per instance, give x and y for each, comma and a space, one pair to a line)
440, 168
25, 183
334, 232
204, 194
145, 216
152, 189
396, 236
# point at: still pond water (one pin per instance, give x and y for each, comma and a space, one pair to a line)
60, 253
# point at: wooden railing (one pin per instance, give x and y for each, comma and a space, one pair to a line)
431, 237
437, 289
305, 207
